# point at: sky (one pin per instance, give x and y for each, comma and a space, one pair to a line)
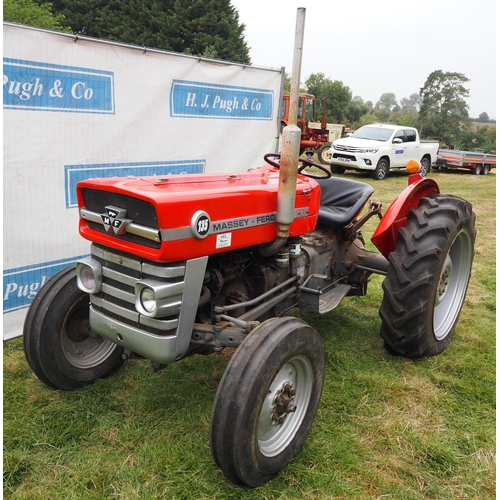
380, 46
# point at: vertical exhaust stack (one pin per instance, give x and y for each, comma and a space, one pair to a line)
291, 139
290, 151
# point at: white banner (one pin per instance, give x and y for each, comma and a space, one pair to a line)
76, 108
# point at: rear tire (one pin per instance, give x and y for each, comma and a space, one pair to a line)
428, 276
486, 170
254, 432
477, 169
58, 343
425, 164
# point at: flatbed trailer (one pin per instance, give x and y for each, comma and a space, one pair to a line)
478, 162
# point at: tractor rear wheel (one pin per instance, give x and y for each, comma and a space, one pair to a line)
59, 345
428, 276
267, 400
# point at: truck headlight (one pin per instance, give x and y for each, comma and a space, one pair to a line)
158, 300
89, 275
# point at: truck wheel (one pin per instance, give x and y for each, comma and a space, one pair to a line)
477, 169
428, 276
381, 170
336, 169
323, 155
425, 166
58, 343
485, 170
267, 400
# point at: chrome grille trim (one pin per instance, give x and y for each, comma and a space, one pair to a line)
148, 233
120, 277
159, 324
120, 300
120, 311
162, 271
117, 293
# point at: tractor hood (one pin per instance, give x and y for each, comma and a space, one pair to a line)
179, 217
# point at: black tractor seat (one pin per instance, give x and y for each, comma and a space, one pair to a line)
341, 200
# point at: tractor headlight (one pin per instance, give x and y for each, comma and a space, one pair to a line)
158, 300
89, 275
147, 299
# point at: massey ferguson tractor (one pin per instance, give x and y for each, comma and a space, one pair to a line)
194, 264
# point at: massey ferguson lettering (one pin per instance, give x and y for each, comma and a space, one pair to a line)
259, 220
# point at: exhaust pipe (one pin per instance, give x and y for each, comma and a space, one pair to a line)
291, 148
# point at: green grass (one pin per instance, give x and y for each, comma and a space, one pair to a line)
387, 427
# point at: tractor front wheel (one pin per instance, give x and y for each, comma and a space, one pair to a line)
323, 153
428, 276
59, 345
267, 400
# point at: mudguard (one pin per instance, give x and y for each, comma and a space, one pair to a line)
386, 234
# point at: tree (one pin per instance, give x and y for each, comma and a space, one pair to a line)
483, 117
31, 14
444, 111
356, 109
199, 27
368, 119
387, 101
483, 138
337, 95
411, 103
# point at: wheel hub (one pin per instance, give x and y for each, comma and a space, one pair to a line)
283, 404
79, 328
444, 280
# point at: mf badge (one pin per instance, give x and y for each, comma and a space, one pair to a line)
114, 220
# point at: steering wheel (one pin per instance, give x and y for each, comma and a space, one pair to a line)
304, 163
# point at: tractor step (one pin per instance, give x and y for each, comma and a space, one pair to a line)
331, 299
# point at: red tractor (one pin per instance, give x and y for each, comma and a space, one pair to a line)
193, 264
315, 136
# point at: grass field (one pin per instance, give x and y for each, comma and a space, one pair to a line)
387, 427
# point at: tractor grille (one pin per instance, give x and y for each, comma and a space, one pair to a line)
120, 273
142, 214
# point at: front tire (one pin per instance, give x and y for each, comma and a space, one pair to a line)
58, 343
381, 170
267, 400
323, 156
428, 276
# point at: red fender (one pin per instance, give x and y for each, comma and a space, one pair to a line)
386, 234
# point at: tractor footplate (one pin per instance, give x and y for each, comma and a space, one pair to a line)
330, 300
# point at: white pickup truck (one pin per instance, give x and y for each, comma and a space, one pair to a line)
380, 148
